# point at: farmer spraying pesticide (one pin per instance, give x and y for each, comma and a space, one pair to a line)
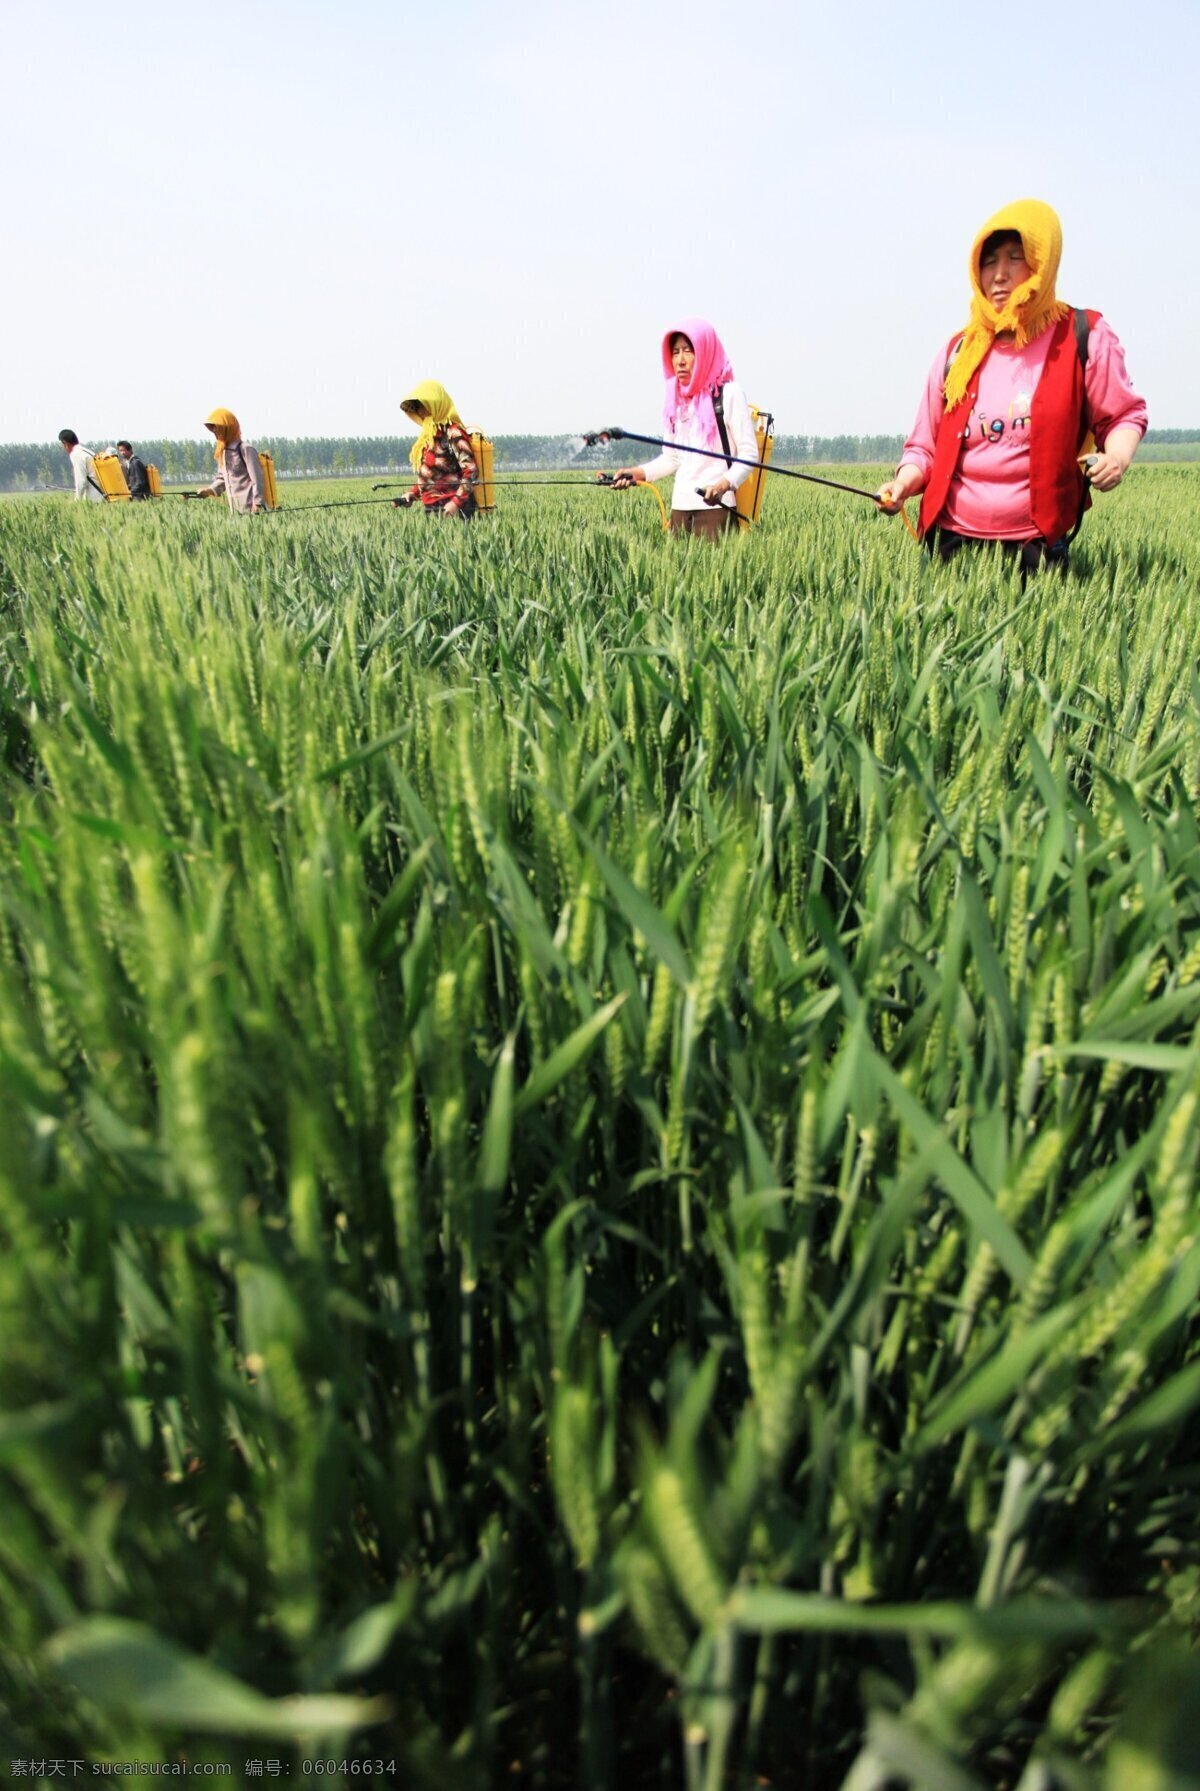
242, 479
1000, 447
718, 446
136, 476
442, 457
706, 422
87, 487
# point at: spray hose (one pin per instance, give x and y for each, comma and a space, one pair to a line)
596, 437
602, 481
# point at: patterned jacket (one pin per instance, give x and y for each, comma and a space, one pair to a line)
447, 471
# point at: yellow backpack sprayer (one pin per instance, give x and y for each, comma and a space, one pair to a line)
110, 477
484, 488
750, 492
270, 494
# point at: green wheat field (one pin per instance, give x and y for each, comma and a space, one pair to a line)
598, 1147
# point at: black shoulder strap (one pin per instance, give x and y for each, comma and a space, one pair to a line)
92, 482
1083, 330
718, 404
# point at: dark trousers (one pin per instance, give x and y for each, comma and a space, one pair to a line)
945, 545
709, 524
463, 515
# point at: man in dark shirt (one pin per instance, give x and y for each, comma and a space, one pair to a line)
135, 472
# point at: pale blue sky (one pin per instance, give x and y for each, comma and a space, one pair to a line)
300, 210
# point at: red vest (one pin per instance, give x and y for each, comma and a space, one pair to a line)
1057, 431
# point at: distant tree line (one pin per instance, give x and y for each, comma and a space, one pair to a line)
42, 466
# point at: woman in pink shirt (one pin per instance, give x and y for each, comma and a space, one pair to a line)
1013, 404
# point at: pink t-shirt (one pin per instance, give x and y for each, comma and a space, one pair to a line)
989, 494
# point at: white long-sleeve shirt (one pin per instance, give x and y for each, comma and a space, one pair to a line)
692, 468
81, 465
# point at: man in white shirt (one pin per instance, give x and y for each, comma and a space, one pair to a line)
87, 486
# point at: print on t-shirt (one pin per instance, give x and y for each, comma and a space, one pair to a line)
994, 429
989, 495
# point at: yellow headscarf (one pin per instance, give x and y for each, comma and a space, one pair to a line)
1030, 309
439, 410
228, 427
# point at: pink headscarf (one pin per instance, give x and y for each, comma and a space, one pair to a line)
712, 369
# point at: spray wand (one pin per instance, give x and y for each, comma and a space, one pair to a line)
596, 437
